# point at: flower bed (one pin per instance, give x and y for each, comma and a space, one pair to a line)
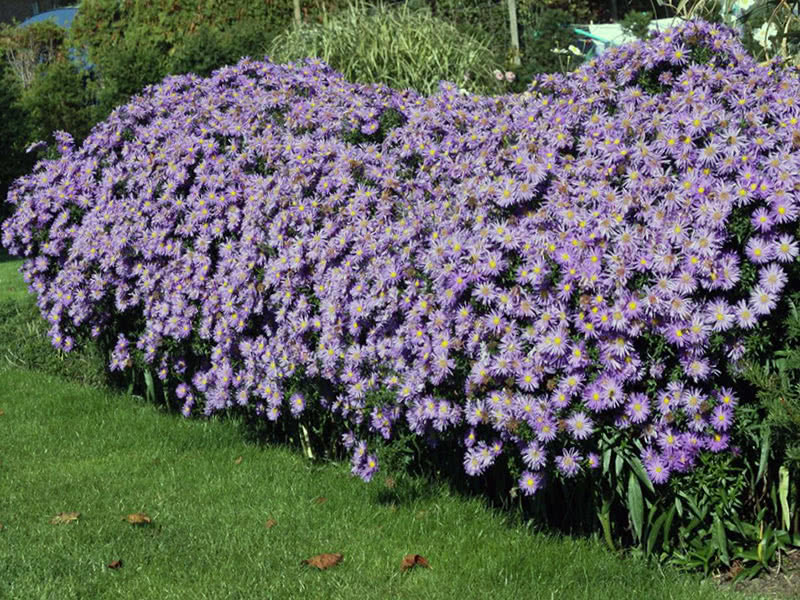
522, 273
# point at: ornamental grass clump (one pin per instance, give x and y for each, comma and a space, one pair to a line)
520, 275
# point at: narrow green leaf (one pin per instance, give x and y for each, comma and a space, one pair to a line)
606, 460
635, 505
654, 531
783, 493
667, 527
720, 539
151, 388
765, 447
618, 462
638, 468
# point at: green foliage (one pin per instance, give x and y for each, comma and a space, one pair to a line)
395, 46
545, 44
124, 69
25, 49
14, 133
635, 23
102, 24
58, 99
207, 49
136, 43
778, 389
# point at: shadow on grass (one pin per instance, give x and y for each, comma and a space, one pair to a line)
5, 256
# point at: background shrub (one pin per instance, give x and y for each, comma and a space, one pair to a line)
58, 99
14, 136
392, 45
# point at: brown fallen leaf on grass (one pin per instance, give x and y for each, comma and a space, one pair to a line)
115, 564
65, 517
414, 560
270, 523
320, 500
2, 412
323, 561
238, 460
138, 519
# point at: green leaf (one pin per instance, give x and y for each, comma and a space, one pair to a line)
720, 539
654, 530
765, 447
783, 493
618, 462
150, 392
635, 505
638, 468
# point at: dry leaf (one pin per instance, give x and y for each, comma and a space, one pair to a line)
2, 412
320, 500
238, 460
414, 560
390, 483
138, 519
115, 564
270, 523
65, 517
323, 561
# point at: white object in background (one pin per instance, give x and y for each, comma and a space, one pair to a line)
614, 36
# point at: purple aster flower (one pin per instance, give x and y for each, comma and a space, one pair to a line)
726, 397
530, 483
297, 404
772, 278
469, 439
534, 456
721, 417
717, 442
637, 408
580, 426
657, 469
759, 250
745, 314
569, 462
368, 468
786, 248
762, 220
762, 301
593, 460
474, 464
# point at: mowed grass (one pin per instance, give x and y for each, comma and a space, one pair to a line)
71, 447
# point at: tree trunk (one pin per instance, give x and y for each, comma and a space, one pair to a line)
296, 13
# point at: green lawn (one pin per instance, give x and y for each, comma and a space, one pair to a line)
66, 446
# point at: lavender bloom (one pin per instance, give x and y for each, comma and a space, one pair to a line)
530, 483
569, 463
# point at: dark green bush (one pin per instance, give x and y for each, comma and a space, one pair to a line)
207, 49
58, 100
14, 133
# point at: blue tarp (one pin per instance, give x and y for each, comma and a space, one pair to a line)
61, 16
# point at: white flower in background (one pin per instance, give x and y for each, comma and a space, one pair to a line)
576, 51
559, 50
510, 76
498, 74
743, 5
764, 34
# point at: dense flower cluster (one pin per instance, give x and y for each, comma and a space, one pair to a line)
522, 272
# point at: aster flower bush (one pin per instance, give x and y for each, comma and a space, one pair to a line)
543, 279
